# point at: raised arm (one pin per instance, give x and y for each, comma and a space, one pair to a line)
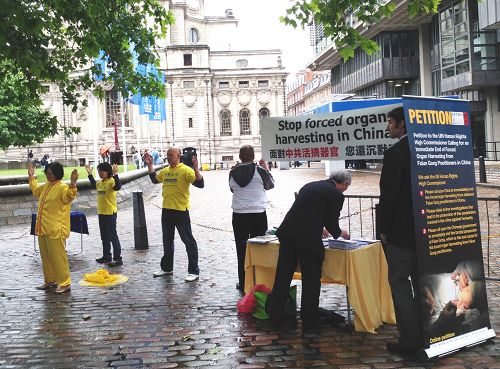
36, 190
199, 181
118, 184
89, 170
149, 162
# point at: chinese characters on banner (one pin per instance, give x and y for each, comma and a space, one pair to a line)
343, 135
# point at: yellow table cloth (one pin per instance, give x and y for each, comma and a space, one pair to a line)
363, 270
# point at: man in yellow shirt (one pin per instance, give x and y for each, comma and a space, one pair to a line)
176, 179
53, 224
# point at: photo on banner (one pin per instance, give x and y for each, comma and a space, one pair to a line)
354, 130
452, 290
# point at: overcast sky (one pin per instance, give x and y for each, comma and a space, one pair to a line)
259, 28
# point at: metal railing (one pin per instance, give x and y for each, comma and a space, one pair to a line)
358, 217
490, 151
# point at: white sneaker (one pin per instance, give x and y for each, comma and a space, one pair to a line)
161, 273
192, 277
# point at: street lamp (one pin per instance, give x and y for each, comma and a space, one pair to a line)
208, 126
171, 82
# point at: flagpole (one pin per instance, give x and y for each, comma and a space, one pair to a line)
125, 166
94, 131
149, 133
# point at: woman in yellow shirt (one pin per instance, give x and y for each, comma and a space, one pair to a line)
53, 224
106, 210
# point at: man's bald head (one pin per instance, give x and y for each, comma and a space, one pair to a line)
173, 156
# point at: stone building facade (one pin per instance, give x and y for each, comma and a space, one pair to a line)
215, 97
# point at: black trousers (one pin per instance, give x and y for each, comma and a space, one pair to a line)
402, 263
170, 220
245, 226
310, 266
107, 227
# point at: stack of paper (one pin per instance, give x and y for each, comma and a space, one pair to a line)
342, 244
263, 239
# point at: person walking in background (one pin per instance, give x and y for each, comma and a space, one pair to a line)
53, 224
248, 182
144, 154
398, 236
107, 211
176, 179
137, 159
317, 206
30, 155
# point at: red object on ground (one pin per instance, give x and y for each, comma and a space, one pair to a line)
247, 303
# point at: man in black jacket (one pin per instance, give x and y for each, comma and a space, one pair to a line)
317, 206
398, 236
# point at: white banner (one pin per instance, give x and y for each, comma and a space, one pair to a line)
345, 135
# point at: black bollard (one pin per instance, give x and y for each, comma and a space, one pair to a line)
482, 170
140, 229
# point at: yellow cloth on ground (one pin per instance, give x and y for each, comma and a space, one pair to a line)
102, 278
363, 270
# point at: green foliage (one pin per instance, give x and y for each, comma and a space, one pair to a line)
22, 122
57, 41
48, 40
335, 16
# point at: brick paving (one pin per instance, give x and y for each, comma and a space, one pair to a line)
167, 323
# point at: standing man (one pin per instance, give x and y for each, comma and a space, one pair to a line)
176, 179
397, 234
317, 205
248, 182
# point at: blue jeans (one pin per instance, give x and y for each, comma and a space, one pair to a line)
107, 226
170, 220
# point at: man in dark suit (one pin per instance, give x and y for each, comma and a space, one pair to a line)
317, 206
398, 237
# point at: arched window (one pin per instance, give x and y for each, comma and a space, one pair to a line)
194, 36
264, 113
225, 122
245, 122
113, 111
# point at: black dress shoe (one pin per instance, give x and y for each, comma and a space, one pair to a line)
103, 260
401, 349
115, 263
329, 316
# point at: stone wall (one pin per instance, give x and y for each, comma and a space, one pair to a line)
17, 203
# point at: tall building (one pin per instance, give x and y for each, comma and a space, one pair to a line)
215, 96
454, 52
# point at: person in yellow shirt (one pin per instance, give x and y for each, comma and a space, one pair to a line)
176, 179
107, 211
53, 224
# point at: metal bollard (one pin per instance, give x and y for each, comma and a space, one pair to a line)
482, 170
140, 229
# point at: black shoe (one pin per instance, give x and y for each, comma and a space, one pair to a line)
330, 316
115, 263
401, 349
238, 287
103, 260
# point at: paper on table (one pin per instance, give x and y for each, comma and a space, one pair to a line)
263, 239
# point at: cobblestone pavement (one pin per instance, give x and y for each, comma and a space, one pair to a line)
167, 323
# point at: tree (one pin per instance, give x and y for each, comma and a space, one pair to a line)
334, 16
57, 41
22, 122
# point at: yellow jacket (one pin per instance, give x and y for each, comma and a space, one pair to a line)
106, 197
54, 204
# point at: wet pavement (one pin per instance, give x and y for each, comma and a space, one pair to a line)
167, 323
